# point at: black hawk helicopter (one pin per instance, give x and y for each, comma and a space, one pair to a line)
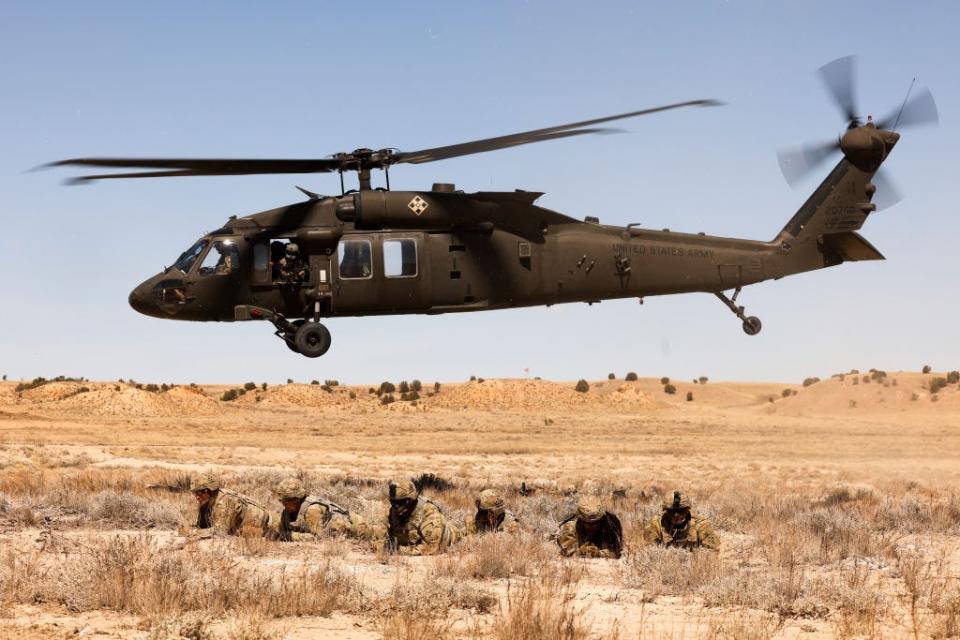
376, 251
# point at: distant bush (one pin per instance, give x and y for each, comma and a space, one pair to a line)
786, 393
241, 391
416, 385
166, 387
315, 382
250, 386
229, 395
926, 368
480, 380
326, 388
264, 386
631, 376
152, 388
410, 396
404, 386
937, 383
669, 388
289, 380
876, 374
809, 381
582, 386
689, 396
33, 384
953, 377
387, 399
866, 379
472, 378
664, 380
386, 387
611, 376
332, 383
914, 397
703, 379
371, 390
353, 395
5, 377
436, 387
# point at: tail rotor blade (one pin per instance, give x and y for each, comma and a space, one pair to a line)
797, 162
839, 77
887, 193
920, 110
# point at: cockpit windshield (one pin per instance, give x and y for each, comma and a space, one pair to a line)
188, 257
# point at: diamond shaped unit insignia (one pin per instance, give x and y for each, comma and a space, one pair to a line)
418, 205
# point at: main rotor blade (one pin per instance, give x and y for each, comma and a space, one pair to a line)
887, 193
197, 166
919, 110
839, 77
797, 162
537, 135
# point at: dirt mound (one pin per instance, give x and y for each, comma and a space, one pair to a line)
537, 395
298, 395
52, 391
895, 392
129, 401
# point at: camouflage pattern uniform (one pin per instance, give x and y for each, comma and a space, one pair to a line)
490, 501
415, 525
695, 533
227, 512
592, 532
315, 518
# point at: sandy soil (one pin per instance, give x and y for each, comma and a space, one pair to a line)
887, 434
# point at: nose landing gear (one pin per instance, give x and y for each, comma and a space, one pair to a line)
751, 324
306, 337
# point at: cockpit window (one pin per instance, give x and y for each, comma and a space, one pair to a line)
222, 259
188, 257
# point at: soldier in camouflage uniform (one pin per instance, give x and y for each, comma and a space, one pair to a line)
492, 515
226, 512
307, 517
591, 532
680, 527
292, 268
415, 525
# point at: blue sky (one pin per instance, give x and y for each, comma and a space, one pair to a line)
306, 79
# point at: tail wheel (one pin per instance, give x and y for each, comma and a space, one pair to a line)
752, 325
312, 339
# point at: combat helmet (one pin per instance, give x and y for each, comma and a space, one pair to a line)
590, 509
207, 481
677, 502
293, 249
490, 500
290, 489
403, 490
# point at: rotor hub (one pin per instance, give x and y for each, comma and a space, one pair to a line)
866, 147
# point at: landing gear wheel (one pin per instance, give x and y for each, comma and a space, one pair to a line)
752, 325
312, 339
291, 343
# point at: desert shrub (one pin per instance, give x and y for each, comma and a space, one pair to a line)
386, 387
582, 386
953, 377
495, 557
33, 384
4, 377
403, 387
413, 396
416, 385
927, 368
689, 396
387, 398
229, 394
241, 391
473, 378
130, 510
316, 382
703, 379
611, 376
436, 387
289, 380
670, 389
810, 381
264, 386
631, 376
786, 393
664, 380
249, 386
332, 383
433, 481
937, 383
327, 388
877, 375
479, 380
353, 395
541, 609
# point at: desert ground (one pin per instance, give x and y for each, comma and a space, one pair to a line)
836, 501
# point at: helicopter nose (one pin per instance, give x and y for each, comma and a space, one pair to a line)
140, 299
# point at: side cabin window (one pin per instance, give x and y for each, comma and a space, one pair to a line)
355, 259
222, 258
261, 257
400, 258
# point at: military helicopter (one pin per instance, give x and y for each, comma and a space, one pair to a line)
376, 251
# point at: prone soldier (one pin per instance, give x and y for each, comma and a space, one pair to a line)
307, 517
492, 515
591, 532
415, 525
679, 527
226, 512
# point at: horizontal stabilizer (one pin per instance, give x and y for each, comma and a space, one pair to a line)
851, 246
